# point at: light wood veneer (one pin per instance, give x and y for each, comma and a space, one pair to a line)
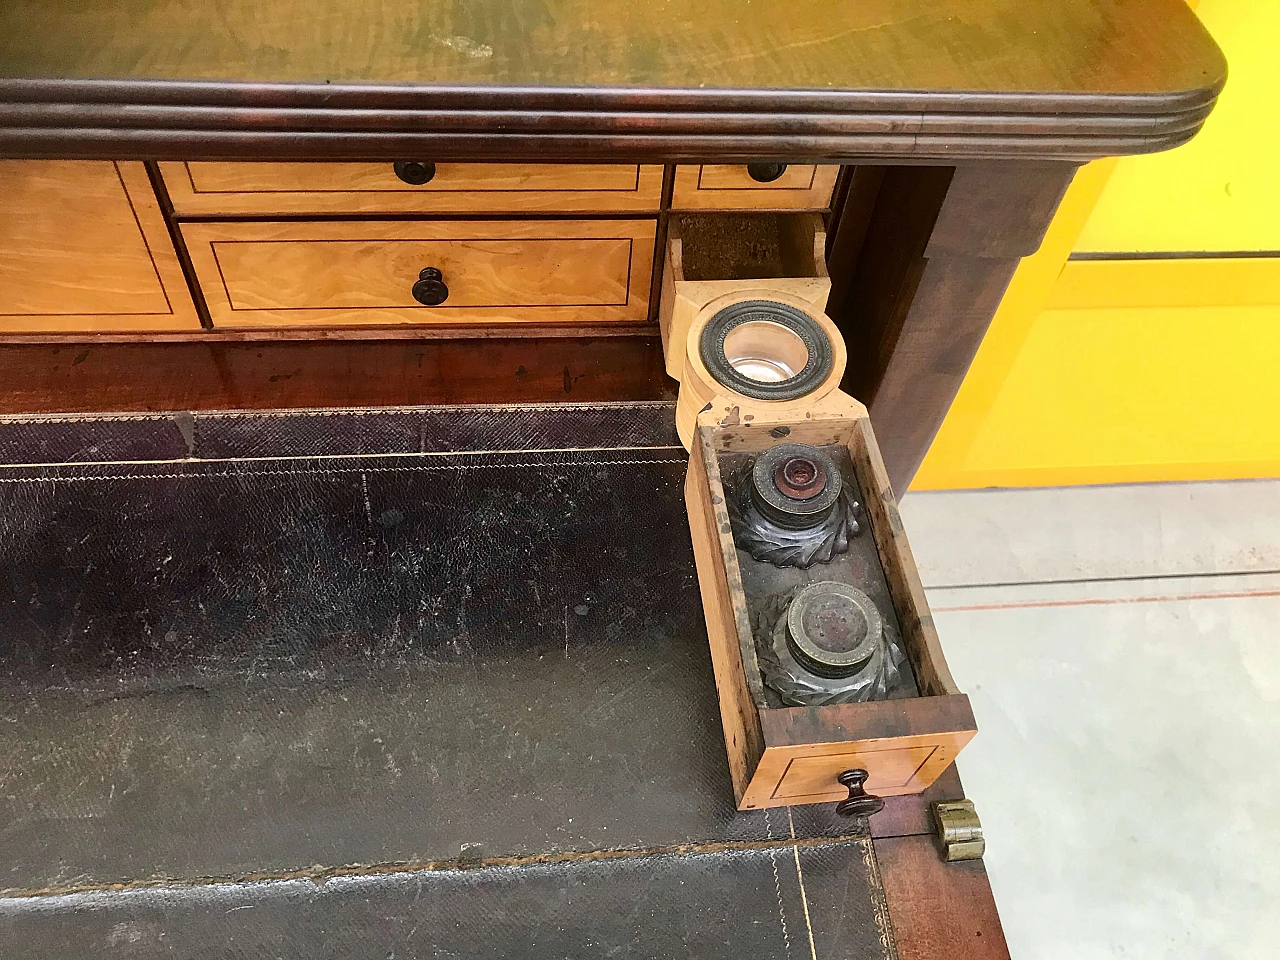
361, 273
729, 187
268, 189
84, 248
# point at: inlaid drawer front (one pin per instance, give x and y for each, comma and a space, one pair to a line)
84, 249
813, 779
412, 186
371, 273
754, 186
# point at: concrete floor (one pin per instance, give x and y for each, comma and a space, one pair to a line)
1121, 646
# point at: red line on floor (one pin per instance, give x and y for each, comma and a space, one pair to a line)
1108, 601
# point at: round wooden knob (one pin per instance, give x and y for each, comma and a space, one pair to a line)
416, 172
430, 289
859, 803
765, 172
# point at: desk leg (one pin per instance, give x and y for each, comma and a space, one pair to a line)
919, 261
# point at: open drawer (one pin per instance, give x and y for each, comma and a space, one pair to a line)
782, 755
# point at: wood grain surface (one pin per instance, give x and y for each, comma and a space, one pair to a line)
724, 606
919, 634
783, 756
918, 277
802, 186
602, 79
362, 273
315, 188
83, 247
92, 376
940, 911
1058, 46
905, 745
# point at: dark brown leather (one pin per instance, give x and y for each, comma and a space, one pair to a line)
451, 703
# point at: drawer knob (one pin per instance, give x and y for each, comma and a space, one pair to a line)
430, 290
416, 172
765, 172
859, 803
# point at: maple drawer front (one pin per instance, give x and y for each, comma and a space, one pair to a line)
370, 273
267, 189
814, 778
736, 187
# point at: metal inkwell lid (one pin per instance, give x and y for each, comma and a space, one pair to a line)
833, 629
795, 485
792, 508
827, 642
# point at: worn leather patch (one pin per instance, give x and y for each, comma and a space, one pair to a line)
376, 683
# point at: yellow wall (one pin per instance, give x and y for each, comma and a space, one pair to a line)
1132, 369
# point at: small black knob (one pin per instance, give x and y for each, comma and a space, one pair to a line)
765, 172
416, 172
859, 803
430, 289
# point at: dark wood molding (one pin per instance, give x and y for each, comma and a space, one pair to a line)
899, 143
127, 117
200, 375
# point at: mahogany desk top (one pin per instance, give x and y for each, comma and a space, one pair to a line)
716, 79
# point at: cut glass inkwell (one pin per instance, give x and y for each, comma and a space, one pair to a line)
793, 509
828, 644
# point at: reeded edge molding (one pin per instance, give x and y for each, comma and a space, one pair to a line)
99, 144
185, 120
599, 100
514, 122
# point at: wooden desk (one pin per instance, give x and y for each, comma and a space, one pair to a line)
962, 122
957, 126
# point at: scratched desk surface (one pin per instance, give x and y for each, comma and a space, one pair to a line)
345, 683
1098, 46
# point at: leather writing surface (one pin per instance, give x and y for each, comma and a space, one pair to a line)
317, 652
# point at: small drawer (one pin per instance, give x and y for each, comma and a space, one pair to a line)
786, 755
754, 187
268, 189
374, 273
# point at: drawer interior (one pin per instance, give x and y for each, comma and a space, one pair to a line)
785, 751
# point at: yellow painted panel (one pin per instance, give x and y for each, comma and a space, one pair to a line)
1119, 395
1029, 291
1209, 282
1222, 190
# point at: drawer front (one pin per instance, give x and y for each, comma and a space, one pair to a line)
732, 187
84, 248
213, 188
890, 772
799, 773
364, 273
